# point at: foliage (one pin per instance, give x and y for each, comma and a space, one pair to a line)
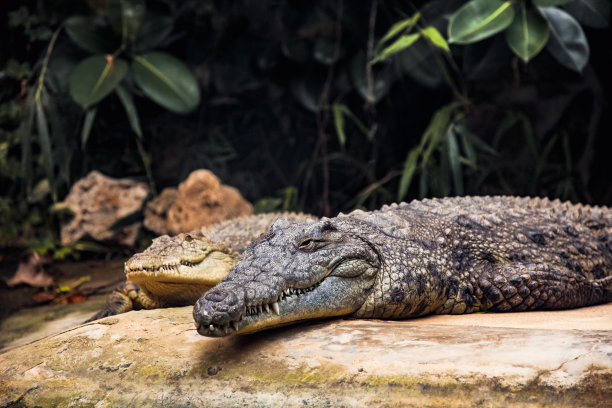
320, 106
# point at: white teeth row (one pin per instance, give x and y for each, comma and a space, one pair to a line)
253, 310
224, 328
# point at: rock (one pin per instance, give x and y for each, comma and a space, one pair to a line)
98, 201
201, 201
156, 211
156, 358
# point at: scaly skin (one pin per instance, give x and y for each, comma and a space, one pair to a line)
175, 271
442, 256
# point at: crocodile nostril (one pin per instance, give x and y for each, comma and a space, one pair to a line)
216, 296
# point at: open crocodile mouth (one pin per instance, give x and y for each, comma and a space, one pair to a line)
277, 311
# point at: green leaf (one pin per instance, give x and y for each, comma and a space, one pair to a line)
337, 110
592, 13
167, 81
130, 109
90, 116
434, 37
549, 3
84, 32
454, 161
126, 17
45, 146
410, 167
567, 44
468, 147
398, 45
404, 25
527, 34
132, 15
94, 78
24, 132
479, 19
155, 29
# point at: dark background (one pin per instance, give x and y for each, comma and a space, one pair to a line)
264, 124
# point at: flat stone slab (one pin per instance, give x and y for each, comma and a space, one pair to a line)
156, 358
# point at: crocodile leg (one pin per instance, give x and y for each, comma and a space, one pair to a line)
123, 299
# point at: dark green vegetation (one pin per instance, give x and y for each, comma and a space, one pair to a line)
316, 106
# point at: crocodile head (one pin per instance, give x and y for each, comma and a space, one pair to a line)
292, 272
181, 267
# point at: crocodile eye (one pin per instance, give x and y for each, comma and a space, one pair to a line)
188, 238
307, 244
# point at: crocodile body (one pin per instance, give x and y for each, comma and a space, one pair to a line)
439, 256
175, 271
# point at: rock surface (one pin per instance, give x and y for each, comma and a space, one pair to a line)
156, 358
98, 201
201, 200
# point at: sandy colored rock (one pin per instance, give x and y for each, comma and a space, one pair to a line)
201, 200
156, 358
156, 211
98, 201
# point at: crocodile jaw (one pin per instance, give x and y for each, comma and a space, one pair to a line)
329, 297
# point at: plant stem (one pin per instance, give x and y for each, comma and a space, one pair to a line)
45, 64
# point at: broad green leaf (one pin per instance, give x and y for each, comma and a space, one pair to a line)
167, 81
42, 129
479, 19
410, 167
434, 37
130, 109
94, 78
404, 25
155, 29
126, 17
592, 13
567, 44
84, 32
550, 3
398, 45
337, 110
90, 116
527, 34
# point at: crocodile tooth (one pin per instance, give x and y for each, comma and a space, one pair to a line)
275, 308
259, 309
211, 328
267, 307
235, 325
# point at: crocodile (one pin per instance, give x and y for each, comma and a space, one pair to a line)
435, 256
177, 270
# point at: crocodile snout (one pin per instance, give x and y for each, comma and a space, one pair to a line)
219, 307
